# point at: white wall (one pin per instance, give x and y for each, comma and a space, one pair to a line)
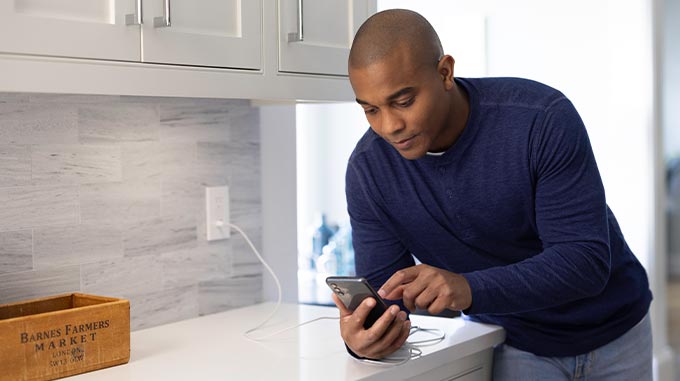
326, 136
461, 29
279, 207
671, 83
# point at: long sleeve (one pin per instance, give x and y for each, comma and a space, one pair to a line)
571, 221
378, 251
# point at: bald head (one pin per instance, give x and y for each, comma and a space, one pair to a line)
394, 29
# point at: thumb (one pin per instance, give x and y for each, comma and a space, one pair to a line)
344, 311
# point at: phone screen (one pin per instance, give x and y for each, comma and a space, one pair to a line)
352, 291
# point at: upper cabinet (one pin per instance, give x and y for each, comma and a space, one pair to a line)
253, 49
315, 36
217, 33
69, 28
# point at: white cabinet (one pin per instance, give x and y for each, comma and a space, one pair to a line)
69, 28
217, 33
180, 48
315, 36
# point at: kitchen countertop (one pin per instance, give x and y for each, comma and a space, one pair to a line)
213, 347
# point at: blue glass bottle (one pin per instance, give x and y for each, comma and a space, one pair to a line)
344, 248
322, 234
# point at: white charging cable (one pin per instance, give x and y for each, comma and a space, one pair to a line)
413, 352
412, 347
276, 281
438, 334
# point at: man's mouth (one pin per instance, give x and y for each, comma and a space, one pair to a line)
404, 143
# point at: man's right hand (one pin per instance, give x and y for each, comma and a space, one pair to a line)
382, 339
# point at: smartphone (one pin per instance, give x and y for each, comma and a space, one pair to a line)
353, 290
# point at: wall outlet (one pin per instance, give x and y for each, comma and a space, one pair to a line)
217, 212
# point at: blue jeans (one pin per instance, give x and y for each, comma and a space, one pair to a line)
627, 358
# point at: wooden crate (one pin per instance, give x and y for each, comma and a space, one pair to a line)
62, 335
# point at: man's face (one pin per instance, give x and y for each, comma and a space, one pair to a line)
406, 103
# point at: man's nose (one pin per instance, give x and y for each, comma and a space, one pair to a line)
392, 123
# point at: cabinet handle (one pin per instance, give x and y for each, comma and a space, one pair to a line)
135, 18
297, 36
163, 21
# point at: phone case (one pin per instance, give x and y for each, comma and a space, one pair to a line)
352, 291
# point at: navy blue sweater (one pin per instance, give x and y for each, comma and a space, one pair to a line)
517, 207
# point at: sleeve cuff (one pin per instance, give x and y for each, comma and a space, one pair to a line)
356, 356
475, 283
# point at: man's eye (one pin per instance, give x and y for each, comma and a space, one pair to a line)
370, 111
406, 103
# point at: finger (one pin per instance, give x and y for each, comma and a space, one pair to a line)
394, 330
358, 316
384, 346
401, 339
400, 277
411, 293
441, 303
395, 294
363, 339
437, 306
426, 297
344, 311
378, 329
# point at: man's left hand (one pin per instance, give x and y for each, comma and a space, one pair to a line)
429, 288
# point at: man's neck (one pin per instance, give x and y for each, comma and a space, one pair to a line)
458, 117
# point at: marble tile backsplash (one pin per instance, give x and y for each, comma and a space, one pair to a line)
105, 195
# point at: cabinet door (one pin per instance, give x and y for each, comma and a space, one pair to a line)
327, 27
70, 28
217, 33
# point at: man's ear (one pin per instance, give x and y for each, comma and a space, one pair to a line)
445, 70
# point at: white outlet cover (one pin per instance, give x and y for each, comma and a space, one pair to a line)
217, 212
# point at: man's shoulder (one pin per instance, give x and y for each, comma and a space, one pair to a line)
369, 144
512, 91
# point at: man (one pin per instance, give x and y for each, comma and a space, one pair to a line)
493, 186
